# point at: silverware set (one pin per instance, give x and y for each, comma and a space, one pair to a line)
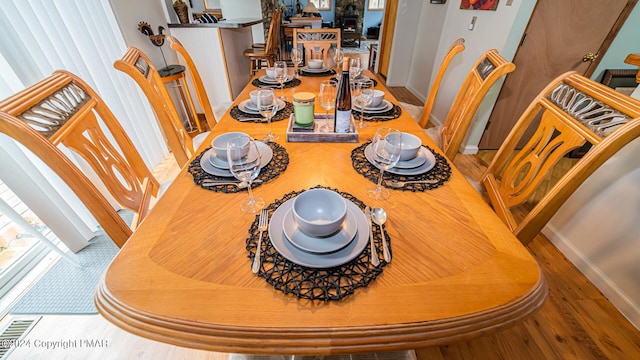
239, 184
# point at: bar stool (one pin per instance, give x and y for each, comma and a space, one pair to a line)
175, 73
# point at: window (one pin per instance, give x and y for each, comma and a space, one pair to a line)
376, 5
322, 4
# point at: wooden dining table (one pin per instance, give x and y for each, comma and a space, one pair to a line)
184, 277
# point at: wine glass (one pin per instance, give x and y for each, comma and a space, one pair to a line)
362, 95
268, 106
244, 164
338, 58
327, 95
354, 68
280, 69
296, 59
385, 153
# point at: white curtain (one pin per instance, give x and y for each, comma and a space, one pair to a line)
83, 37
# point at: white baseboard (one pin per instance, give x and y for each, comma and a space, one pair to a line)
627, 307
469, 149
417, 93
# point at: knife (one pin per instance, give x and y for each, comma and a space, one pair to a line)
374, 253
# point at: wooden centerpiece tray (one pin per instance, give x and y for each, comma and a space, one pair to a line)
297, 133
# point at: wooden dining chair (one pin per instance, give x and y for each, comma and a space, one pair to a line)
212, 114
138, 66
483, 74
269, 52
62, 110
422, 114
573, 111
317, 42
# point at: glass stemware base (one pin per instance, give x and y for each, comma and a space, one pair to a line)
378, 192
252, 205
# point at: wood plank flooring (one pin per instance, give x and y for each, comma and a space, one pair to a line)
576, 322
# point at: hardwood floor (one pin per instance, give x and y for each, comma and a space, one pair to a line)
576, 322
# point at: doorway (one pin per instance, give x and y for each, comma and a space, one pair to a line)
561, 36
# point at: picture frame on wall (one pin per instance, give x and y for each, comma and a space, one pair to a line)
479, 4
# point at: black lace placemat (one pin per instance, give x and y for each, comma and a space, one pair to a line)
276, 166
391, 114
308, 283
288, 84
319, 74
282, 114
441, 172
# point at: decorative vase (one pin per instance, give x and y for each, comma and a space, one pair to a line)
182, 9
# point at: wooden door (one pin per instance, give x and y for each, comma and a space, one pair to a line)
388, 27
559, 35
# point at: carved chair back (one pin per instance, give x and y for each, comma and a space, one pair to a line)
485, 72
316, 42
63, 110
455, 48
196, 80
573, 111
137, 65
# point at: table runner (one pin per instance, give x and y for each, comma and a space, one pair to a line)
440, 172
276, 166
308, 283
281, 114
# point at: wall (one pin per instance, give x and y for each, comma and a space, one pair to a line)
625, 43
404, 37
500, 29
130, 13
371, 18
237, 9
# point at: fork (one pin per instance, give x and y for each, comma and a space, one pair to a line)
398, 184
262, 226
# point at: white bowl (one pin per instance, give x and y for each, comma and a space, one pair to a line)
271, 72
319, 212
376, 100
411, 144
315, 64
219, 144
254, 97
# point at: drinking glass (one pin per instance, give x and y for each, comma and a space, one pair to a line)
296, 59
354, 68
280, 68
244, 163
327, 95
362, 95
385, 153
268, 106
338, 58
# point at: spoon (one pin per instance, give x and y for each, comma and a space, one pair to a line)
379, 216
398, 184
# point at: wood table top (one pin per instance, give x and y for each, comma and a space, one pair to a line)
184, 277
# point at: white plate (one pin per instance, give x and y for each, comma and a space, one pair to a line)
320, 261
428, 164
223, 164
250, 108
264, 149
269, 80
315, 71
320, 244
420, 158
385, 106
